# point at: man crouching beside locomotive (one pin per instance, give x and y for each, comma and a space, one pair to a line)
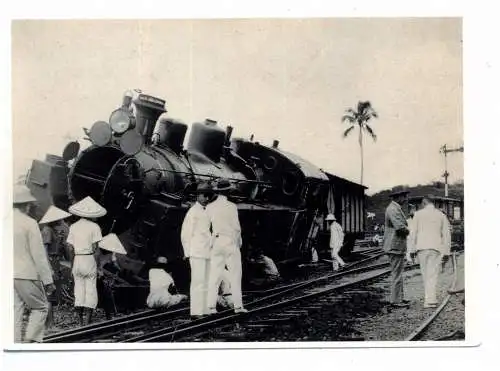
396, 231
196, 240
226, 247
162, 290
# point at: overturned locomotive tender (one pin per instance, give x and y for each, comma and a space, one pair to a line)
137, 168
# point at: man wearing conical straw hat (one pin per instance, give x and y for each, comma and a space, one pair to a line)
83, 237
32, 274
52, 244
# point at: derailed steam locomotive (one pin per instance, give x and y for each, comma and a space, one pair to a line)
137, 168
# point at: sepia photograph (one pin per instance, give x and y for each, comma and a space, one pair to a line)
239, 180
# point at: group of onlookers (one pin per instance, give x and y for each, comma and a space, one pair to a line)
426, 235
37, 255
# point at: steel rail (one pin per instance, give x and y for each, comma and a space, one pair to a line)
113, 325
98, 324
415, 335
228, 316
334, 275
449, 336
419, 331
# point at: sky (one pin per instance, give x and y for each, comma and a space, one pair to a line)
284, 79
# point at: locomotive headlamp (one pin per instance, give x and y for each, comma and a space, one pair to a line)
120, 121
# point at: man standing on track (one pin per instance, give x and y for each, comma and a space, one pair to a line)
336, 241
396, 231
83, 236
226, 247
32, 273
430, 237
196, 239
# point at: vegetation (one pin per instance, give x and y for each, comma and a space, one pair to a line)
378, 202
360, 118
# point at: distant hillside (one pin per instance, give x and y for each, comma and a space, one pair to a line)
379, 201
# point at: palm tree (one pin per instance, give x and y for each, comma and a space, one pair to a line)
360, 118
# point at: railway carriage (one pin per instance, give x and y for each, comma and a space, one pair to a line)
347, 201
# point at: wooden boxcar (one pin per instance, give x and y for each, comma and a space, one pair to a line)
347, 201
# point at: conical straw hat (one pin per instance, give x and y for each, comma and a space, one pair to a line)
112, 243
330, 217
87, 208
53, 214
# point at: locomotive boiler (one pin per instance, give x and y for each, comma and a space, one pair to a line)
138, 168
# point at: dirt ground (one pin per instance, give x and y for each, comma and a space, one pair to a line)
397, 324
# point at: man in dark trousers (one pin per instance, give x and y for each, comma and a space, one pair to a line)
396, 231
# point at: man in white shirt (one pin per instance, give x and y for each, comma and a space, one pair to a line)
226, 247
196, 239
32, 273
162, 290
83, 236
336, 241
430, 237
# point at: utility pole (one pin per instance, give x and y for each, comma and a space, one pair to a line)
445, 150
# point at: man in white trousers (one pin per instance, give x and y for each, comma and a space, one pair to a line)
430, 238
196, 240
336, 241
32, 273
226, 247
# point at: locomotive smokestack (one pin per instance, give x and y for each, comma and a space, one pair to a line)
276, 143
229, 131
147, 111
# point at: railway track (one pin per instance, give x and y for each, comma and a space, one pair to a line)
136, 326
273, 320
420, 332
274, 316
